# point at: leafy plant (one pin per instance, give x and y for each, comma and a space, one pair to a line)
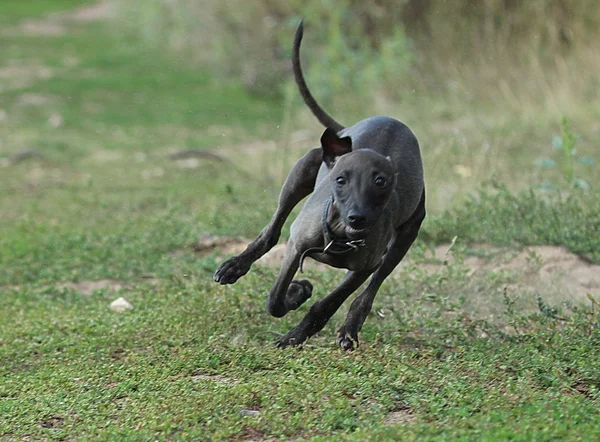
565, 143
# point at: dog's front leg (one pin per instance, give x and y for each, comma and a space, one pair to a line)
361, 306
320, 313
299, 183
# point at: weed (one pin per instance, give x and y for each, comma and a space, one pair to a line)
565, 142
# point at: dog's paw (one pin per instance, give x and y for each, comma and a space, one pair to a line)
298, 293
291, 339
347, 339
231, 270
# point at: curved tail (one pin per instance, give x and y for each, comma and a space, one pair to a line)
324, 118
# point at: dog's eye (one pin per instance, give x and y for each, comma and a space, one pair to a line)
340, 180
380, 181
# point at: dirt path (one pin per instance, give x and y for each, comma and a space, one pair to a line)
552, 271
55, 24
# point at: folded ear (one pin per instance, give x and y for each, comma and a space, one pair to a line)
334, 146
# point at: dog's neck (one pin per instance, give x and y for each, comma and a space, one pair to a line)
333, 242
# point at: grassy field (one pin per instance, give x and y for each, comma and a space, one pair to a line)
93, 206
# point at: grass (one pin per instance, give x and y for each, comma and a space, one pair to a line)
14, 10
193, 360
496, 215
72, 367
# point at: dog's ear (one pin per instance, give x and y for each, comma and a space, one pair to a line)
334, 146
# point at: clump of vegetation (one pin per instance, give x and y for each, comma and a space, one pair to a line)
496, 214
565, 143
560, 213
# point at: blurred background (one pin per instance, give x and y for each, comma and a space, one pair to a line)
484, 84
143, 141
121, 117
507, 53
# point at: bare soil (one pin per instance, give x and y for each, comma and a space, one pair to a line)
546, 270
88, 287
403, 416
54, 24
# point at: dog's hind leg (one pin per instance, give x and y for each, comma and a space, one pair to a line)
361, 306
299, 183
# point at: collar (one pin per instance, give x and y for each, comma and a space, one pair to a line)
333, 245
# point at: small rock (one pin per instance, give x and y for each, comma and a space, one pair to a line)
251, 413
55, 121
120, 305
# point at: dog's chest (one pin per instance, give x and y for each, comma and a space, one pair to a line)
363, 258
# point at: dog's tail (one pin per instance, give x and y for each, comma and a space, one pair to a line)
324, 118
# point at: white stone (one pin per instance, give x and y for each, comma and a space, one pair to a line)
120, 305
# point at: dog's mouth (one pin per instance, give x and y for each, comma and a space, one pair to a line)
353, 233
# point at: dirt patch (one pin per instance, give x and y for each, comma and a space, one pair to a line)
14, 71
43, 28
16, 76
88, 287
214, 378
106, 156
55, 24
98, 11
540, 269
225, 245
34, 99
53, 422
546, 270
253, 435
401, 416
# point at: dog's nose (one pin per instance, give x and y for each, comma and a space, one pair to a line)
356, 220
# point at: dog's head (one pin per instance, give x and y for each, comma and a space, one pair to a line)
362, 182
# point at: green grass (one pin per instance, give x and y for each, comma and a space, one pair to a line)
454, 354
189, 358
496, 215
109, 93
13, 10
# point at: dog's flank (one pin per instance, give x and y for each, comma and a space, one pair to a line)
366, 205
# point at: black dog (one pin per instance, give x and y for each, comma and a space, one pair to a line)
364, 213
